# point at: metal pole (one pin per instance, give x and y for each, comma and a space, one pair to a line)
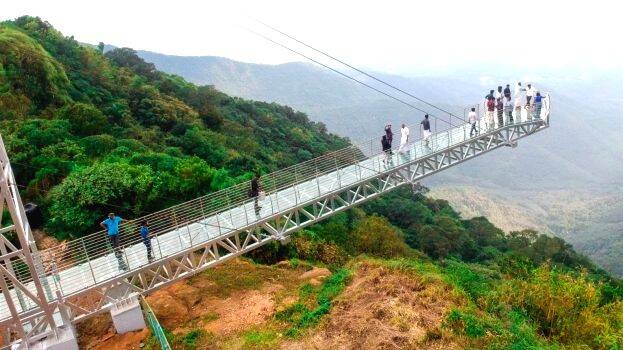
86, 254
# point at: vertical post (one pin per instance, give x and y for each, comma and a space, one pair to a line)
86, 256
159, 248
177, 229
337, 171
246, 215
296, 182
276, 192
317, 175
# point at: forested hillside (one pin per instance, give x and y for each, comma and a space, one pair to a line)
90, 133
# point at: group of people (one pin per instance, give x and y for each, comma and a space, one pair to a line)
388, 137
112, 226
507, 105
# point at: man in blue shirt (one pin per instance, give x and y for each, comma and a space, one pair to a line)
144, 231
111, 225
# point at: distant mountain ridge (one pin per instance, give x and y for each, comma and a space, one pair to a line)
581, 153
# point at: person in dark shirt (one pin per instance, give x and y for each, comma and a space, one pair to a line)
507, 92
254, 193
499, 106
538, 104
387, 150
426, 130
389, 135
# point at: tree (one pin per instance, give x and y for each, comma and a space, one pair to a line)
84, 119
127, 57
89, 193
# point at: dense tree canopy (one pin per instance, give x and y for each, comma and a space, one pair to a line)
89, 132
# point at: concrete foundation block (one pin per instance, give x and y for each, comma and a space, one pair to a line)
127, 316
66, 340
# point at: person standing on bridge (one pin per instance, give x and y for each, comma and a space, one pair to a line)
519, 97
144, 231
498, 94
111, 225
472, 117
508, 110
538, 104
387, 150
404, 139
389, 135
499, 106
255, 191
529, 95
426, 132
489, 120
507, 92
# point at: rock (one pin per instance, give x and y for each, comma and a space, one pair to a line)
187, 293
314, 282
169, 310
283, 264
318, 273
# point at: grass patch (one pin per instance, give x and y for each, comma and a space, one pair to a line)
313, 303
209, 317
260, 339
235, 276
475, 280
193, 340
470, 324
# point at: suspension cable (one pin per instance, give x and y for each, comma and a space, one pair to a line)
346, 75
358, 70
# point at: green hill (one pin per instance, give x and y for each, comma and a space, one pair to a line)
90, 133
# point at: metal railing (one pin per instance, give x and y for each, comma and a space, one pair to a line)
80, 263
154, 325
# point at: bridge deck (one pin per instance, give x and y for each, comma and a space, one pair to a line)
74, 273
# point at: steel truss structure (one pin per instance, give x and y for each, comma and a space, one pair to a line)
19, 252
280, 226
46, 308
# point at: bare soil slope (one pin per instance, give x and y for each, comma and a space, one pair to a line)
234, 307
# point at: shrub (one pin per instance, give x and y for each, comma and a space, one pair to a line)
567, 308
375, 236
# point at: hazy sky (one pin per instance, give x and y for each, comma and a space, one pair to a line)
395, 36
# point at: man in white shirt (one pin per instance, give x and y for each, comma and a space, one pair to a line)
508, 110
404, 138
519, 98
498, 93
472, 117
529, 94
